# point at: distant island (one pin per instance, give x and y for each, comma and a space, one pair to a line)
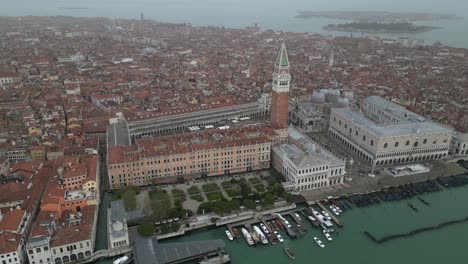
381, 16
376, 27
71, 7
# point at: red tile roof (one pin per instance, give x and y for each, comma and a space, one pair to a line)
12, 220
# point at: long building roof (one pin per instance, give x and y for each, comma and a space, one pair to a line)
186, 143
309, 154
419, 127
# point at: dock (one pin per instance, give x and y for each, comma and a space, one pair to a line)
333, 217
147, 250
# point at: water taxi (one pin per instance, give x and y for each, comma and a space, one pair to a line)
327, 235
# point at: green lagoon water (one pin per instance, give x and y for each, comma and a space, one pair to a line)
447, 245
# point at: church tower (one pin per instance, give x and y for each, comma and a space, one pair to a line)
280, 93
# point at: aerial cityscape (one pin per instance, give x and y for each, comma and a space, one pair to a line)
140, 141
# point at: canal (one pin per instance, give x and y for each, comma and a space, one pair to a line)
101, 231
350, 245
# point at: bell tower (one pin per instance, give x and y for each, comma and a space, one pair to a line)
280, 91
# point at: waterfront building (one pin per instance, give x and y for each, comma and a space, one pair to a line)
459, 144
20, 190
203, 154
65, 228
305, 164
313, 114
280, 89
117, 232
383, 132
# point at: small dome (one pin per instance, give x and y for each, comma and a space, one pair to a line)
343, 102
349, 95
317, 97
333, 95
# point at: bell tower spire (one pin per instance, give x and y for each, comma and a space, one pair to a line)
280, 89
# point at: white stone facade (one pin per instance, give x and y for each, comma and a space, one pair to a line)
386, 133
459, 145
305, 165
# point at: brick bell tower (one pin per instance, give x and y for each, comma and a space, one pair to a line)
280, 91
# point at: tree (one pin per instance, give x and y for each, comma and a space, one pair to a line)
249, 204
288, 197
245, 189
160, 210
277, 189
146, 229
268, 200
165, 228
129, 198
175, 227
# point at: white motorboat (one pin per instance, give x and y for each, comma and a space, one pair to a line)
121, 260
264, 228
260, 234
298, 217
335, 211
327, 235
280, 238
326, 215
338, 209
319, 242
316, 214
311, 218
286, 222
247, 236
229, 235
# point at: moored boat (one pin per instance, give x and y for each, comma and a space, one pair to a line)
280, 225
229, 235
301, 229
275, 225
236, 232
121, 260
255, 237
247, 236
264, 228
260, 234
290, 253
278, 236
326, 215
271, 238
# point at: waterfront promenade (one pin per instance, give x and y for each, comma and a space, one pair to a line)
362, 183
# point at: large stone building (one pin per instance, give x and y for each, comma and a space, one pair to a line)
313, 114
207, 153
459, 145
176, 121
383, 133
306, 165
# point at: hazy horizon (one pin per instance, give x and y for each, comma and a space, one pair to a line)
459, 7
268, 14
